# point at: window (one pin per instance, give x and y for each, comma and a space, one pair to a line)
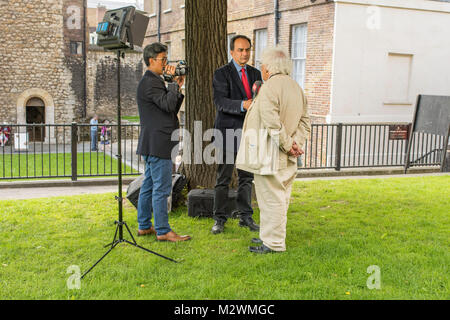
231, 35
150, 7
169, 51
93, 38
183, 49
260, 45
76, 47
298, 53
166, 5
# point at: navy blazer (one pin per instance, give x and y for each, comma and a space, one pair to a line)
158, 108
229, 92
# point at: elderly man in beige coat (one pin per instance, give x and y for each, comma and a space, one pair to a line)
274, 132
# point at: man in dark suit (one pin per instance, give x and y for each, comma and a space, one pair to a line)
158, 108
232, 85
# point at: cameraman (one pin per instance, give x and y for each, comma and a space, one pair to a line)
158, 108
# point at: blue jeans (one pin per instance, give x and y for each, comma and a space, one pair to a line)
154, 193
94, 140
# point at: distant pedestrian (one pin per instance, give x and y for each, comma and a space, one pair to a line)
105, 134
94, 129
5, 132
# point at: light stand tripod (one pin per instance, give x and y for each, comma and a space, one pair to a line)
121, 223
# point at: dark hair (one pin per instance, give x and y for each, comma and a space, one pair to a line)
152, 51
239, 36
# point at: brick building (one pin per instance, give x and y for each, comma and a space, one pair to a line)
358, 61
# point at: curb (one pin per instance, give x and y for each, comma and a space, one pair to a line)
65, 183
319, 173
303, 173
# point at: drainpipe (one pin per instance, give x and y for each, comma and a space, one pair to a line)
83, 113
277, 16
159, 20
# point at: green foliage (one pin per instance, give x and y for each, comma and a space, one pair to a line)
336, 230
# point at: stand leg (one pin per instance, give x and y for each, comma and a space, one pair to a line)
129, 232
150, 251
114, 240
112, 247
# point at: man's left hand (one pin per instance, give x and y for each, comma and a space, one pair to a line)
295, 151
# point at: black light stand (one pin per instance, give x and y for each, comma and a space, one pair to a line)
121, 223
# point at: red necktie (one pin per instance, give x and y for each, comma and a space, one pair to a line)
246, 85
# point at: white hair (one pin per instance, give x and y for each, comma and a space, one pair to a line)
276, 60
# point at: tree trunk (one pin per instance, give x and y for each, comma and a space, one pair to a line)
206, 41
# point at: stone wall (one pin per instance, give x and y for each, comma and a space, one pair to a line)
102, 83
36, 57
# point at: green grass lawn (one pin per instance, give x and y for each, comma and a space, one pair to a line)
131, 118
51, 165
336, 230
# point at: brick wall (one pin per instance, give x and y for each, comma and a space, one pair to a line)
102, 83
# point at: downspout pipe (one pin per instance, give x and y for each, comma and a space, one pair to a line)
85, 45
277, 16
159, 20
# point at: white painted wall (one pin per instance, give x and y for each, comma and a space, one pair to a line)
366, 79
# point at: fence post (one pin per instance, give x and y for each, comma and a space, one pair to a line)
74, 151
338, 147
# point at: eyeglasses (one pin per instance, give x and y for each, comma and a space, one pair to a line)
163, 59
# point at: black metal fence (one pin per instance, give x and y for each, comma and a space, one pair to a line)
66, 150
336, 146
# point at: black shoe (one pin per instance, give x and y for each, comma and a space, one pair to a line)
218, 227
257, 241
261, 249
248, 222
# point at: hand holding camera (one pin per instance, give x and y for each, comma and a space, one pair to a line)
176, 73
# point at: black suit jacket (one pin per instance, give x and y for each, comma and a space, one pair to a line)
158, 108
229, 92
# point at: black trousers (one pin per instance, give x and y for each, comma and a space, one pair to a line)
244, 198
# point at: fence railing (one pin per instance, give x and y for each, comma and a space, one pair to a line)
68, 151
75, 150
336, 146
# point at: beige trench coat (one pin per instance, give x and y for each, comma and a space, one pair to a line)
277, 117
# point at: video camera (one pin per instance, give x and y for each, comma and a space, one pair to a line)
180, 70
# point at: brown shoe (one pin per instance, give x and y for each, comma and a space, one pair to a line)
172, 237
150, 231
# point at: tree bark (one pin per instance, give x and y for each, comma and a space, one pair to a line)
206, 41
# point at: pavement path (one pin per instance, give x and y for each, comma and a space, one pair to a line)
58, 191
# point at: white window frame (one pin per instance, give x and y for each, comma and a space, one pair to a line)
298, 52
169, 6
169, 50
229, 37
151, 14
260, 45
